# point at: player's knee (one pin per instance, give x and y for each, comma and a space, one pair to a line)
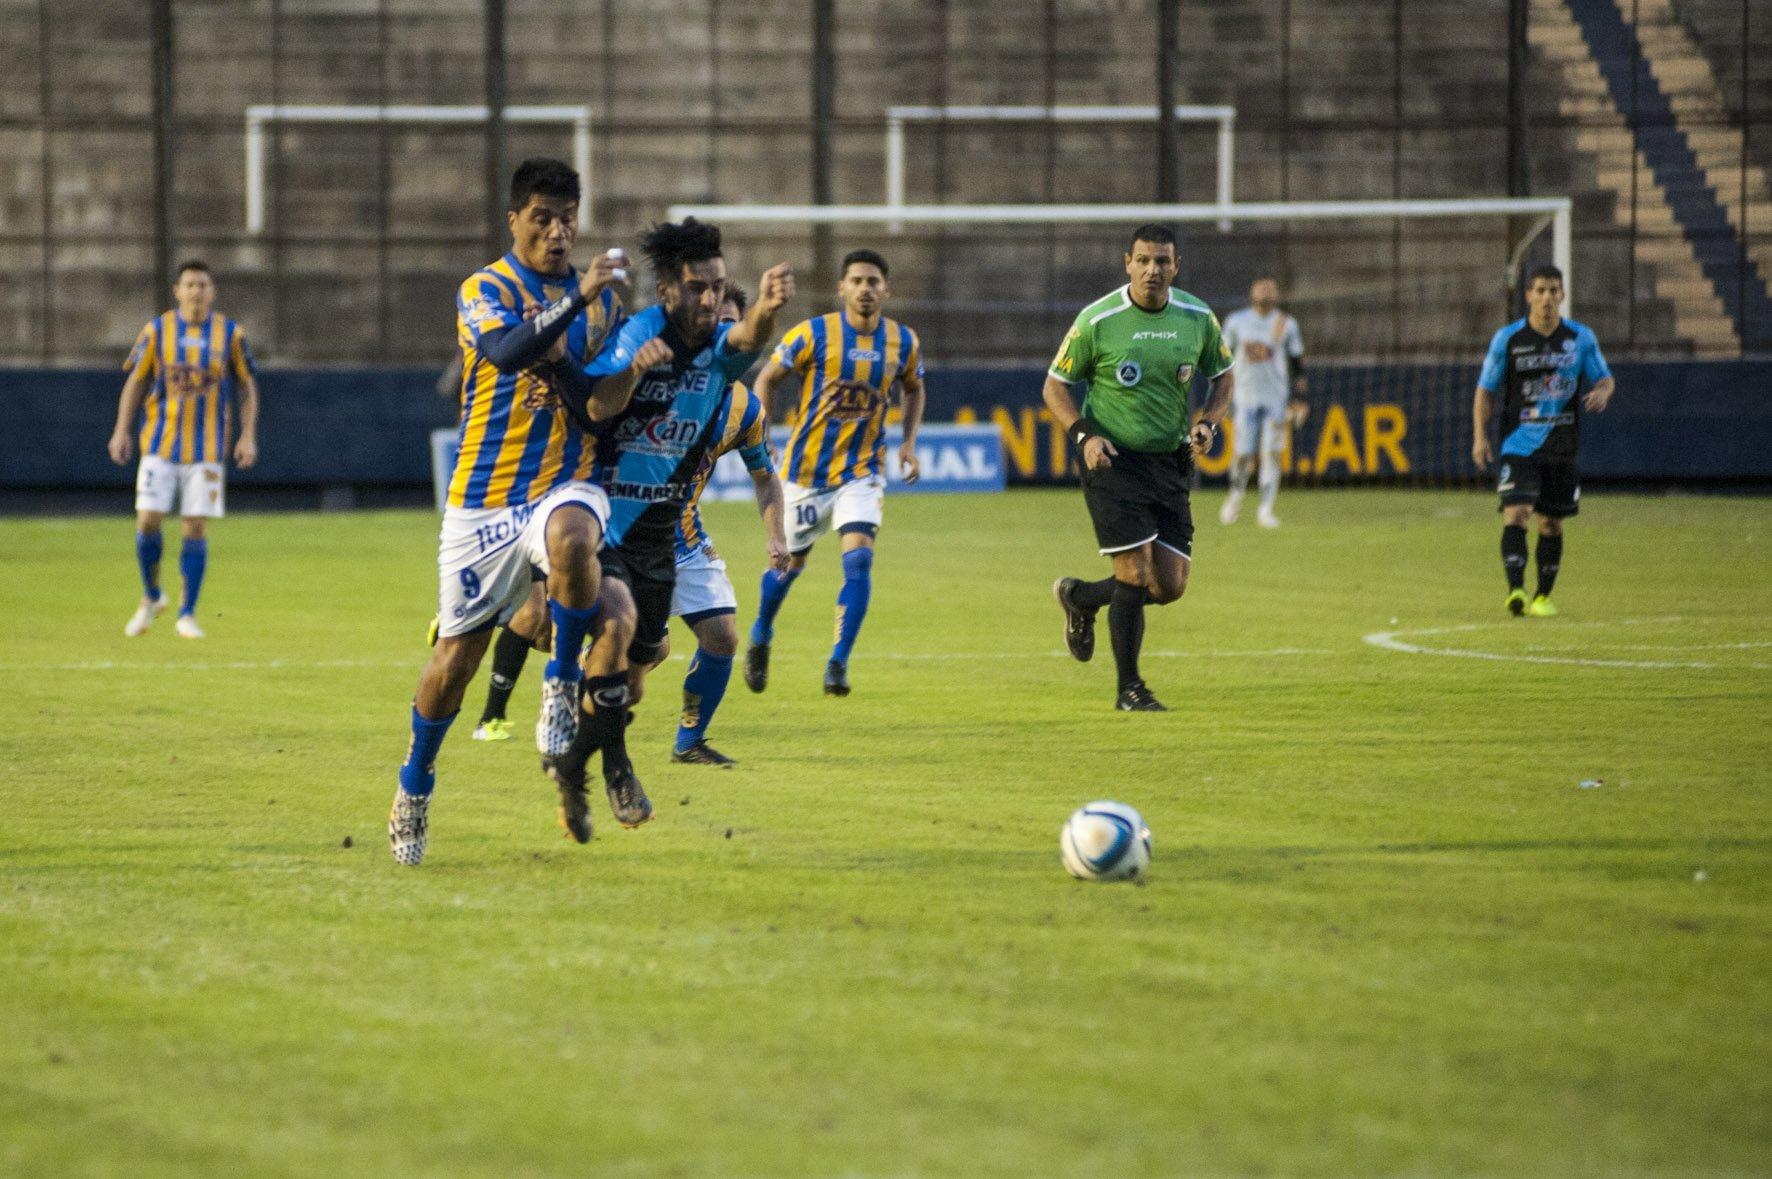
1548, 526
1163, 593
573, 537
718, 636
797, 561
147, 523
195, 527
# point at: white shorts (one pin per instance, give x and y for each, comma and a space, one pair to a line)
195, 489
702, 586
812, 513
485, 556
1258, 425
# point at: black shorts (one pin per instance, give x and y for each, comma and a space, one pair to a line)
1143, 497
1552, 488
651, 577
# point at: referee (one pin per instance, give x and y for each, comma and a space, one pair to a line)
1137, 351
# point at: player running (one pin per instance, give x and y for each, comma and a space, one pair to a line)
1548, 370
847, 362
704, 598
1268, 354
520, 498
185, 372
672, 365
1137, 351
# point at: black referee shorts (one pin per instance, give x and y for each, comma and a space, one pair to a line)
651, 576
1142, 498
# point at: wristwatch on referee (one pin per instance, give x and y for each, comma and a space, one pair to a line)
1082, 430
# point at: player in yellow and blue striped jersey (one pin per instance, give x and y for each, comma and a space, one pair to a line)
834, 467
187, 370
518, 501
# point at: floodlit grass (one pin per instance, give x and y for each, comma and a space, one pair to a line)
1386, 930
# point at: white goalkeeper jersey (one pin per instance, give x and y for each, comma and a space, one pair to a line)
1262, 349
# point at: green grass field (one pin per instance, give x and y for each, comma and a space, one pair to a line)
1386, 931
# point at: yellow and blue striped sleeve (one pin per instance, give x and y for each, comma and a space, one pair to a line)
240, 356
910, 354
795, 350
144, 358
753, 433
484, 304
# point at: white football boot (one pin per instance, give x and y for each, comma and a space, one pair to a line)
144, 616
409, 826
558, 722
1266, 518
1233, 503
187, 627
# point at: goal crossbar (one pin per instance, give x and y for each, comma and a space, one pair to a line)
898, 116
1557, 210
258, 118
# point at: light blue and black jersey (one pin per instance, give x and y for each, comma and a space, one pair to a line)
1542, 380
651, 453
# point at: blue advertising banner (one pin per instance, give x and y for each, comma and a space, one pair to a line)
1707, 420
952, 458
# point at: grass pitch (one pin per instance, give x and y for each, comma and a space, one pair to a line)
1387, 932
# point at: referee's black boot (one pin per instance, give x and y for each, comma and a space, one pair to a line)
756, 666
1135, 697
1079, 625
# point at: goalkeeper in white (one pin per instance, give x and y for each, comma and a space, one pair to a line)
1268, 354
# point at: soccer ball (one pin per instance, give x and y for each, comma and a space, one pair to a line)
1105, 841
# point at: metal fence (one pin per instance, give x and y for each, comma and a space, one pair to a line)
123, 147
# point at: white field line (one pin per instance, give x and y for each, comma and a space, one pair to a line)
1394, 640
416, 661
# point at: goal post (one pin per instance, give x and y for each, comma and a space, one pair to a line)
259, 118
1557, 211
897, 117
1396, 300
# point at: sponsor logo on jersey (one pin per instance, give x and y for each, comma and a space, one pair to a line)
1129, 373
867, 354
1156, 335
650, 493
1184, 373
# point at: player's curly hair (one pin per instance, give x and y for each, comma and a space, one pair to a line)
736, 296
671, 245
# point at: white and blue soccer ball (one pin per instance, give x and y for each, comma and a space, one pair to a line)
1106, 841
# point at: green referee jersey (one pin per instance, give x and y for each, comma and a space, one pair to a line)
1139, 365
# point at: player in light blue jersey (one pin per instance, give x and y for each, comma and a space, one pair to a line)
647, 458
704, 598
1546, 369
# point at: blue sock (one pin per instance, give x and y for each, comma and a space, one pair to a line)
191, 560
418, 773
703, 689
571, 624
147, 554
772, 595
852, 600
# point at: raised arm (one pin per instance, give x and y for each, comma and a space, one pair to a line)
610, 395
513, 349
773, 374
757, 328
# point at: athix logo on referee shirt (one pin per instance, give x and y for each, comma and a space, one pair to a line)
1156, 335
